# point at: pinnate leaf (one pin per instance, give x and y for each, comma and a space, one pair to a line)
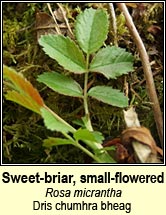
24, 93
109, 96
65, 51
91, 29
112, 62
61, 84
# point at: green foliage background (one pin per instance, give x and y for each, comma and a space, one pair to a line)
24, 131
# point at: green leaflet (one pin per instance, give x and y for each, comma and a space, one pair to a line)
23, 100
54, 122
61, 84
112, 62
84, 134
91, 29
65, 51
108, 95
24, 93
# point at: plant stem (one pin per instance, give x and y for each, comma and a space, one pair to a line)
90, 154
88, 125
85, 94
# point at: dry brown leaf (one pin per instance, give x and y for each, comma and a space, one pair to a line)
59, 16
140, 134
44, 24
143, 143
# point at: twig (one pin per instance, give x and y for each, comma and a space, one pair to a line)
56, 24
64, 16
114, 26
61, 26
147, 71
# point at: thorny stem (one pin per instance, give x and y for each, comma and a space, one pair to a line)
147, 71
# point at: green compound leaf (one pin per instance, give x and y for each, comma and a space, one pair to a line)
109, 96
112, 62
54, 122
52, 141
61, 84
65, 51
91, 29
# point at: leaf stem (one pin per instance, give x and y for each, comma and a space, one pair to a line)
88, 125
85, 94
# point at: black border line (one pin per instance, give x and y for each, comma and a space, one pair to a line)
1, 89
